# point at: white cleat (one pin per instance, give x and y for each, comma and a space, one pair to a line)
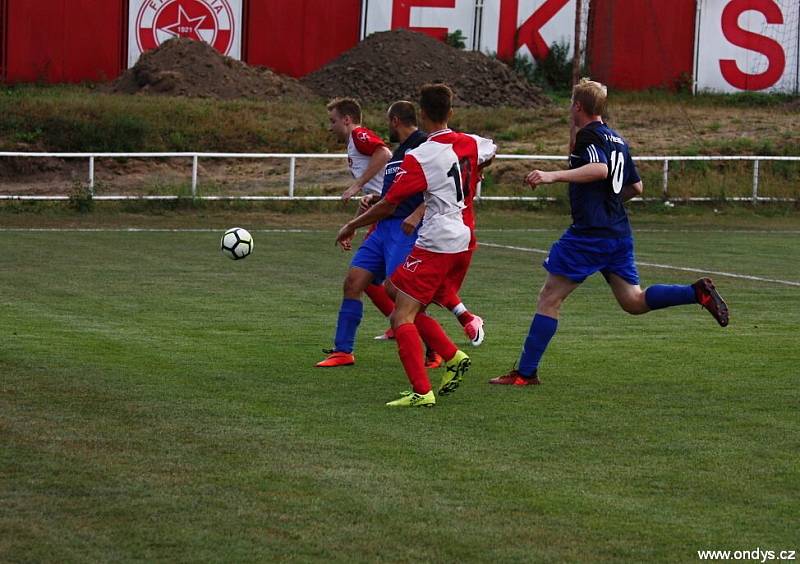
387, 335
474, 331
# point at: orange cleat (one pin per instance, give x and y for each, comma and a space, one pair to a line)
514, 378
433, 360
336, 358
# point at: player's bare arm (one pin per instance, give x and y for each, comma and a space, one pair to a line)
367, 202
412, 221
363, 205
377, 163
591, 172
630, 191
377, 212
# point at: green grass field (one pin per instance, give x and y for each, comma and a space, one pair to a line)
158, 402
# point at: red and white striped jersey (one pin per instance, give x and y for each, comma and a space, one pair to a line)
361, 144
446, 168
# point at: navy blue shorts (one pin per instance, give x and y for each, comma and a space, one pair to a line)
384, 249
577, 258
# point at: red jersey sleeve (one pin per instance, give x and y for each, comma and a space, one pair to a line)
409, 180
366, 141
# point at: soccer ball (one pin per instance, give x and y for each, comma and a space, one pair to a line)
237, 243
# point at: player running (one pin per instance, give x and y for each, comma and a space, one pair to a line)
367, 156
601, 178
446, 169
385, 248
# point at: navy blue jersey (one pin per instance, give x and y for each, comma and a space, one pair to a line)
408, 205
597, 207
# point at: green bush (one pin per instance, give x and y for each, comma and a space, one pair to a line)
554, 72
456, 39
81, 199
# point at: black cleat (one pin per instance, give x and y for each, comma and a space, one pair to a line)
709, 298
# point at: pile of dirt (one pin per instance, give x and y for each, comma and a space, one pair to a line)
392, 65
183, 67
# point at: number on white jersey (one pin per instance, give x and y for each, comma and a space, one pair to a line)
462, 177
455, 174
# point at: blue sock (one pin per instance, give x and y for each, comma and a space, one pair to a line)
666, 295
350, 314
542, 330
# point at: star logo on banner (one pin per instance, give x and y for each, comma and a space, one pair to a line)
185, 26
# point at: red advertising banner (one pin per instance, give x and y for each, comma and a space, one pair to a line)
217, 22
635, 45
436, 18
505, 27
3, 35
60, 41
296, 37
748, 45
725, 45
527, 27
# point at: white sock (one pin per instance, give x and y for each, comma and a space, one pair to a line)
459, 309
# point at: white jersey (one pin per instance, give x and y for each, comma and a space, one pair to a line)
446, 168
361, 144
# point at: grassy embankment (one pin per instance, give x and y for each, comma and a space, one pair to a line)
655, 123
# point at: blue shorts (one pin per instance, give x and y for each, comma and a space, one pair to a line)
577, 258
385, 249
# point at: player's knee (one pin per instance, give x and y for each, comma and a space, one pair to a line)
549, 300
353, 286
631, 308
634, 305
399, 318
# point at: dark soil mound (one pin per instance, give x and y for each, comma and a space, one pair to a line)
183, 67
392, 65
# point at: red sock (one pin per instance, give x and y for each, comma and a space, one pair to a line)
434, 336
450, 301
410, 350
465, 318
377, 293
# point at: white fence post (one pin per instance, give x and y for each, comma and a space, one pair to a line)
666, 180
755, 182
194, 176
292, 161
91, 175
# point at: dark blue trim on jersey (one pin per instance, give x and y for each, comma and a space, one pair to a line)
407, 206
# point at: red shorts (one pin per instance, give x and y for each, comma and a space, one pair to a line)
431, 277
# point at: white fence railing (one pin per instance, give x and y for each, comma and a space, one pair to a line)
292, 158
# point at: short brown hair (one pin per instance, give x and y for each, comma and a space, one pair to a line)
403, 111
592, 96
436, 100
346, 107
